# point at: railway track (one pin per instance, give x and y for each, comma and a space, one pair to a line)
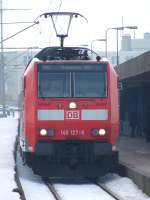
110, 192
52, 189
56, 194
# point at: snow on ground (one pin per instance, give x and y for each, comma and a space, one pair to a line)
8, 131
34, 188
123, 187
82, 191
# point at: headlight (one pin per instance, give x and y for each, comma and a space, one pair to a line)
98, 132
72, 105
43, 132
102, 132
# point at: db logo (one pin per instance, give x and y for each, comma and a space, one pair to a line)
72, 114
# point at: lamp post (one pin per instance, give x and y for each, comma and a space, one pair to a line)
117, 29
2, 85
106, 32
99, 40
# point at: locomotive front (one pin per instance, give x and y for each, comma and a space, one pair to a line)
71, 118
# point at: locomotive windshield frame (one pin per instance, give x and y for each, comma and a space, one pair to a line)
72, 80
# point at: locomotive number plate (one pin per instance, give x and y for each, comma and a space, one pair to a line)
74, 132
72, 114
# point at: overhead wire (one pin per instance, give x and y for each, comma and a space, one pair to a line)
34, 23
17, 23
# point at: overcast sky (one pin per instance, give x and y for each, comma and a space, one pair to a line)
101, 14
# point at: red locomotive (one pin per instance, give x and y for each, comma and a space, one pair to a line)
70, 121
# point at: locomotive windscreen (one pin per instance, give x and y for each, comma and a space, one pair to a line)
72, 80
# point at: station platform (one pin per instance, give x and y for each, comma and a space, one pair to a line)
134, 159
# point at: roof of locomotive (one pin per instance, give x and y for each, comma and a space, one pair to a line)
66, 53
